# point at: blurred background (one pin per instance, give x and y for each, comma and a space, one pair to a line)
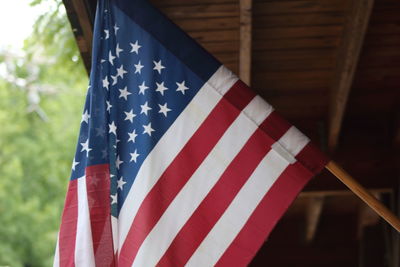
42, 90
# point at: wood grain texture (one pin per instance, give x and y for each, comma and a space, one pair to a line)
245, 41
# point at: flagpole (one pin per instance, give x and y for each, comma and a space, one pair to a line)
363, 193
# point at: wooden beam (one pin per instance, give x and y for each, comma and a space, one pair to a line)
245, 40
81, 15
314, 210
348, 55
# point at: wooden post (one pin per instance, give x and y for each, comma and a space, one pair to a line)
361, 192
245, 41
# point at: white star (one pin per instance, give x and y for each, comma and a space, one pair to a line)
118, 50
121, 72
116, 28
111, 58
85, 117
181, 87
100, 131
138, 68
106, 82
74, 163
129, 116
161, 88
118, 162
142, 88
124, 93
158, 67
102, 60
109, 106
104, 153
114, 199
132, 136
115, 79
107, 32
134, 156
164, 109
85, 147
148, 129
135, 47
121, 183
113, 128
145, 108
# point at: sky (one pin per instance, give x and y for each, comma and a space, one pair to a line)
16, 20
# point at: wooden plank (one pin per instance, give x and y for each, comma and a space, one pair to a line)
323, 63
212, 10
283, 45
384, 29
208, 24
295, 7
313, 214
221, 47
264, 35
299, 43
296, 32
307, 19
172, 3
245, 41
289, 55
348, 56
215, 36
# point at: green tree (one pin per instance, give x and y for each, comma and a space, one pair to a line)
41, 100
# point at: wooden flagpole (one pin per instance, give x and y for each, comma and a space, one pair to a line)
363, 193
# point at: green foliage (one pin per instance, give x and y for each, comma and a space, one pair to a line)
41, 99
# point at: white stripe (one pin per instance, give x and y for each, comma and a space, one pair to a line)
196, 189
259, 111
293, 141
222, 80
84, 255
238, 212
114, 228
56, 262
171, 143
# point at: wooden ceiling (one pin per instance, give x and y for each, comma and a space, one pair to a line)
332, 68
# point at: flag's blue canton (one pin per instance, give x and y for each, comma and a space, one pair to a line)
138, 89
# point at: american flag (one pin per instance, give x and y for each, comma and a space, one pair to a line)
178, 162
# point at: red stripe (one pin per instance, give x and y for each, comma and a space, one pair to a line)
265, 216
275, 125
98, 191
67, 236
182, 168
219, 198
312, 158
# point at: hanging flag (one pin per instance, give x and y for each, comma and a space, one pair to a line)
178, 162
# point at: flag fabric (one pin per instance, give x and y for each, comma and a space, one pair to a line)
178, 162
